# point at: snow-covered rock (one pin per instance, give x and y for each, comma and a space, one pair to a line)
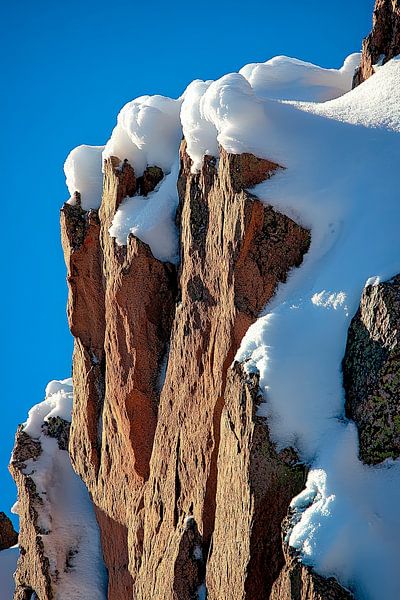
59, 535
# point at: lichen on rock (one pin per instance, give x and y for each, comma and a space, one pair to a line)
371, 371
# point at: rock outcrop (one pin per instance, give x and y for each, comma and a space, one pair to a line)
33, 573
299, 582
234, 252
148, 445
8, 535
188, 488
60, 554
254, 488
121, 305
383, 43
189, 491
371, 371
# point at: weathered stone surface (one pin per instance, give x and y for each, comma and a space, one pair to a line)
80, 236
8, 535
371, 371
234, 252
121, 304
383, 43
299, 582
255, 486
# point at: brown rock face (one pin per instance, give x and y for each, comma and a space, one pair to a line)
383, 43
234, 252
33, 569
255, 486
371, 371
150, 461
299, 582
8, 535
120, 308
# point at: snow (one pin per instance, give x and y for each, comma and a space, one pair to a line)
83, 174
371, 104
349, 518
340, 181
67, 515
225, 112
57, 403
148, 132
285, 78
8, 564
151, 219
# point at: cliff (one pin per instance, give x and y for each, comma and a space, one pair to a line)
156, 456
383, 43
235, 366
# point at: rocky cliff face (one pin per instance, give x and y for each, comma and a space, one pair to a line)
153, 384
191, 495
383, 43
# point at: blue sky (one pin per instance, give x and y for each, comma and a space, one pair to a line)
67, 69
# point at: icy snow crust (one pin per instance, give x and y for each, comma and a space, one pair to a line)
67, 512
341, 151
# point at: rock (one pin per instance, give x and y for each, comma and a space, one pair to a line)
150, 460
121, 305
254, 488
299, 582
234, 252
149, 180
33, 573
371, 371
383, 43
8, 535
60, 553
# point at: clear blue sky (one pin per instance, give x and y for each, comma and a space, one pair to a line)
67, 68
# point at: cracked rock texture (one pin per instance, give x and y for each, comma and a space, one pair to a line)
371, 371
383, 43
189, 491
120, 308
234, 252
254, 488
154, 456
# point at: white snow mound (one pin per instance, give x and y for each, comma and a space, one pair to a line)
57, 403
227, 112
83, 174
